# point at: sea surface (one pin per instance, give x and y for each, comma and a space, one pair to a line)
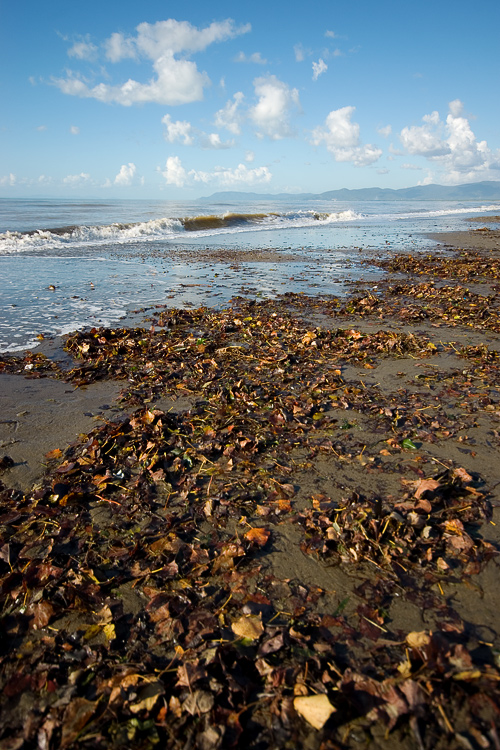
71, 264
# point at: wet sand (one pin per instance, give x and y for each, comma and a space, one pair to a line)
452, 404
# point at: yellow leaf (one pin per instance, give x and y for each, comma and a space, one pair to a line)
468, 674
250, 627
109, 632
147, 697
418, 639
315, 709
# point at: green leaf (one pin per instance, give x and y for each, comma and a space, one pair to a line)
408, 444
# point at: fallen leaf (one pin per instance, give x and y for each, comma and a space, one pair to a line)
77, 714
425, 485
199, 702
250, 627
258, 536
147, 697
315, 709
418, 639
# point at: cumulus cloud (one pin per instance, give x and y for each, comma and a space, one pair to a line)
213, 140
241, 175
319, 68
272, 113
74, 130
385, 131
175, 174
230, 117
341, 137
255, 57
180, 130
73, 180
83, 50
117, 48
9, 179
299, 53
175, 80
452, 147
126, 175
426, 139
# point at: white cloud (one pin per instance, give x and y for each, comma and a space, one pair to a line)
272, 112
154, 40
331, 34
76, 179
229, 117
452, 147
299, 53
180, 130
385, 131
319, 68
411, 166
249, 156
83, 50
213, 140
426, 139
256, 57
126, 174
175, 174
175, 81
118, 48
242, 175
41, 128
341, 138
9, 179
74, 130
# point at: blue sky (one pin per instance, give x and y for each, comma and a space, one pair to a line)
176, 101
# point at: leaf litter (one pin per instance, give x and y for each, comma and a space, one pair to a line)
140, 603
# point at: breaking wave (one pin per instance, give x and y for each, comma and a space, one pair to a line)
67, 237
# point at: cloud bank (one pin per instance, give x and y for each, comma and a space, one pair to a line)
175, 80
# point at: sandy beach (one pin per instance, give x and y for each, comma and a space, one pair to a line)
276, 525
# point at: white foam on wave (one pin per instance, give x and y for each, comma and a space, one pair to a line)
432, 213
66, 239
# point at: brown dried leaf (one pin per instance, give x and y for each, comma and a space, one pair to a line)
199, 702
258, 536
425, 485
41, 613
147, 697
77, 714
463, 475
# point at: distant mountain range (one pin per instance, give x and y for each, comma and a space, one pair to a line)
488, 191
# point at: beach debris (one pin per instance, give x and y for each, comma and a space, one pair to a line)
6, 462
315, 709
141, 605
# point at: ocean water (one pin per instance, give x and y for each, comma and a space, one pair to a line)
70, 264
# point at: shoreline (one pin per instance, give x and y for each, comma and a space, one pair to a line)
301, 424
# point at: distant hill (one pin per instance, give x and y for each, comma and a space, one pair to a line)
488, 191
